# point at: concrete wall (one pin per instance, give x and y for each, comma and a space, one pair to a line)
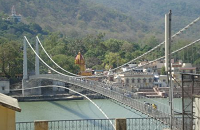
59, 83
7, 119
27, 84
4, 87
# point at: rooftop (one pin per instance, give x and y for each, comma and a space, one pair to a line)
9, 102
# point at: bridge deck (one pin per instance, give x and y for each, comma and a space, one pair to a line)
120, 95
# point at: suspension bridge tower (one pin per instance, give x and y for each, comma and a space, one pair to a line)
25, 80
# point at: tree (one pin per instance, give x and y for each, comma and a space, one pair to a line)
163, 72
112, 60
113, 45
11, 59
66, 62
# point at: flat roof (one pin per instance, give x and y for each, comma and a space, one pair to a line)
9, 102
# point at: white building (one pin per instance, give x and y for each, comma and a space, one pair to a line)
154, 67
161, 81
179, 68
4, 86
137, 80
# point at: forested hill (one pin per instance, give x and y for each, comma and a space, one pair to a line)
152, 11
75, 17
107, 32
121, 19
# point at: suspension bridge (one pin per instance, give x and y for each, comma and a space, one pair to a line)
126, 97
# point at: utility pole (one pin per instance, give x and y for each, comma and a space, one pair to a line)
168, 66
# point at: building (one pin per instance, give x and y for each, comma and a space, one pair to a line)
161, 81
8, 106
4, 86
137, 80
80, 61
179, 68
14, 16
154, 67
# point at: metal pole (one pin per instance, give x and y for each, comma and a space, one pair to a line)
192, 102
170, 76
167, 43
168, 63
183, 111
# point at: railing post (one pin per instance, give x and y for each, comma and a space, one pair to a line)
120, 124
41, 125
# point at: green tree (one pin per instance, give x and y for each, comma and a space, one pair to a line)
113, 45
163, 72
112, 60
11, 59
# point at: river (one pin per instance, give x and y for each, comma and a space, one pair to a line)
77, 109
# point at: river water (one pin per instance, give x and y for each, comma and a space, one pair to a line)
77, 109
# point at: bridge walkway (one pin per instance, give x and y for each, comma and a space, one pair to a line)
125, 97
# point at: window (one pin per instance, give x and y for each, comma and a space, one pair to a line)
164, 80
3, 88
144, 80
127, 81
138, 80
150, 80
133, 80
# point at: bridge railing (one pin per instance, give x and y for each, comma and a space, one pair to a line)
123, 96
96, 124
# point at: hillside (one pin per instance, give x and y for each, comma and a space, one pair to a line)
131, 20
153, 11
108, 33
76, 17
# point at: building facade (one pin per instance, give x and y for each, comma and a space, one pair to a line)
4, 86
137, 80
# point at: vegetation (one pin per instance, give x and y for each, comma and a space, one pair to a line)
107, 34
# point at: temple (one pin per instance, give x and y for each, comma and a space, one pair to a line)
79, 60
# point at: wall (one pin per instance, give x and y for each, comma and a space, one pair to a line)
7, 119
4, 87
27, 84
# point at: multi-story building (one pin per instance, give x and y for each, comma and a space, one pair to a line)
137, 80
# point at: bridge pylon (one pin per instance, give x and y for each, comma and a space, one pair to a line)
25, 79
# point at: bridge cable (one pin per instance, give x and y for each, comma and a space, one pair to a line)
74, 92
60, 66
73, 76
164, 56
50, 66
44, 61
53, 60
176, 34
